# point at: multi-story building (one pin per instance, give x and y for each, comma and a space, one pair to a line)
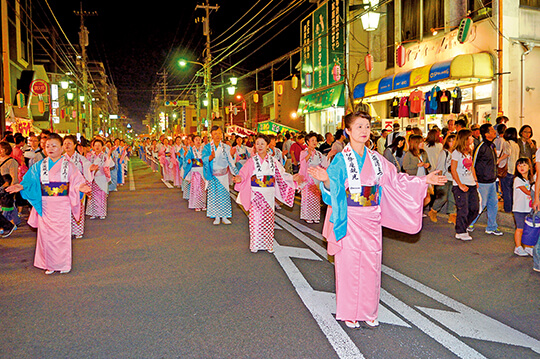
17, 61
429, 61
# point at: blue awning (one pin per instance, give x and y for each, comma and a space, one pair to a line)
478, 65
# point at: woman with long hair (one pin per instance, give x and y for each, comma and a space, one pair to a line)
465, 184
366, 192
510, 148
394, 153
444, 193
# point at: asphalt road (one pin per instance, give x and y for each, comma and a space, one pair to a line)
156, 280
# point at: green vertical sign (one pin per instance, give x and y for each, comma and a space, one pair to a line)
320, 47
306, 38
336, 40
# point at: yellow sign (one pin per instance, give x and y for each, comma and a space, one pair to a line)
420, 75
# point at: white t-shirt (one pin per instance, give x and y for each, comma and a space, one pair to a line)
464, 167
522, 202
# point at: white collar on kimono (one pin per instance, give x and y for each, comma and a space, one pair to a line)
353, 171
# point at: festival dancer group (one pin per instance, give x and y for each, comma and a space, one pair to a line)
362, 189
57, 188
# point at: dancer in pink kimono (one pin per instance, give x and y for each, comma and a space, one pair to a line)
175, 164
85, 168
164, 154
97, 203
310, 204
52, 187
366, 193
194, 174
261, 180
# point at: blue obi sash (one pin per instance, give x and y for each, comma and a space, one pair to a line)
196, 162
266, 181
55, 189
368, 197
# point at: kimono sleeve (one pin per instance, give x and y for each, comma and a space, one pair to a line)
285, 185
188, 164
402, 199
32, 187
244, 187
207, 164
337, 172
76, 179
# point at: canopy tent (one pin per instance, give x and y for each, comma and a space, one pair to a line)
468, 66
272, 128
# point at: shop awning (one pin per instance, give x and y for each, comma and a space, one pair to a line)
272, 128
460, 67
318, 101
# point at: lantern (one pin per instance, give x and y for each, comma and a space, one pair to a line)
370, 20
400, 56
464, 30
20, 99
62, 114
41, 106
280, 88
294, 82
256, 97
336, 70
369, 62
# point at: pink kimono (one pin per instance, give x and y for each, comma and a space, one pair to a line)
174, 165
56, 200
164, 161
389, 199
262, 182
83, 165
310, 204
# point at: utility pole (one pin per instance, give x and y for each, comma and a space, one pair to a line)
208, 59
83, 43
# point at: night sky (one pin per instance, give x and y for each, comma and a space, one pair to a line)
135, 42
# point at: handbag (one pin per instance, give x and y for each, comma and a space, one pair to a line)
502, 171
531, 230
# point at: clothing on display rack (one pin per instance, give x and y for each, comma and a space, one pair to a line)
443, 102
416, 98
433, 104
394, 107
456, 100
404, 107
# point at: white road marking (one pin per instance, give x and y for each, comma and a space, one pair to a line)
464, 322
130, 177
169, 185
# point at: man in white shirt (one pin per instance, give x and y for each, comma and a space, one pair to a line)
381, 142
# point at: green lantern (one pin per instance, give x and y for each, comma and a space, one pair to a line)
464, 30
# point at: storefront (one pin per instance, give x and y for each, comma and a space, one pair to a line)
323, 110
433, 94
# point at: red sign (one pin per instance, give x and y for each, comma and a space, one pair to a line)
38, 87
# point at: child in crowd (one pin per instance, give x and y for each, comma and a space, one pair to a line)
465, 184
522, 203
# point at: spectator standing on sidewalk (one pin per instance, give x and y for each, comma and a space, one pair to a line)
511, 151
444, 193
465, 184
326, 146
522, 203
527, 147
381, 142
296, 149
485, 166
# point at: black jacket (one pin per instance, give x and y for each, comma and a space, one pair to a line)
485, 162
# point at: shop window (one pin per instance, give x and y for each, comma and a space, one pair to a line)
533, 4
482, 92
480, 9
433, 15
410, 26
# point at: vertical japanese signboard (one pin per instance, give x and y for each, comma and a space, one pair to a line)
322, 36
320, 47
336, 40
306, 37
